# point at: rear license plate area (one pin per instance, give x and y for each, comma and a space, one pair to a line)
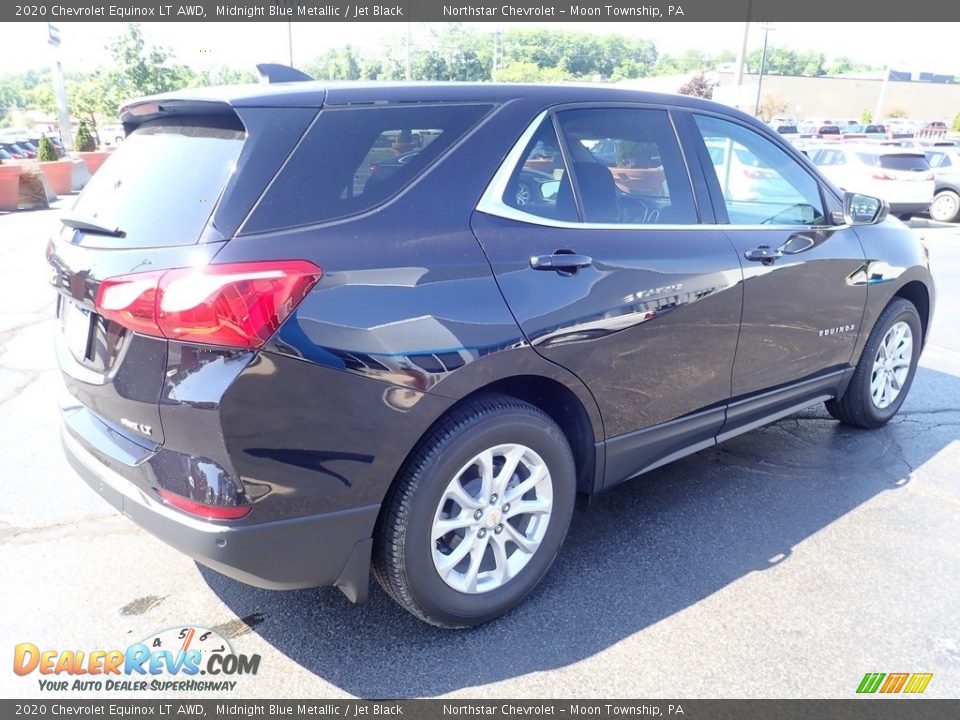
75, 324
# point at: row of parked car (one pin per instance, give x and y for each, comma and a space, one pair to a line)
23, 147
913, 165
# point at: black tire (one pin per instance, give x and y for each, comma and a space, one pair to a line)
403, 561
856, 406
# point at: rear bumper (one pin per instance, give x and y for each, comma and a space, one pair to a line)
312, 551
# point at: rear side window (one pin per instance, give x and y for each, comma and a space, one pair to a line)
627, 167
353, 159
160, 186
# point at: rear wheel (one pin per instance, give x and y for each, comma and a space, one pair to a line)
478, 514
885, 372
946, 206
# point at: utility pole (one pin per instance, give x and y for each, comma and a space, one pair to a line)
742, 55
59, 88
877, 115
767, 27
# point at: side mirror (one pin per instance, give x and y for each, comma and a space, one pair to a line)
863, 210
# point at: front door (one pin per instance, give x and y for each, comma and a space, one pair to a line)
801, 308
596, 240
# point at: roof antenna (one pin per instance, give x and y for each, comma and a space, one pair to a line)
275, 73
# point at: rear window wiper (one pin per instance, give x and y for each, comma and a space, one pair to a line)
91, 226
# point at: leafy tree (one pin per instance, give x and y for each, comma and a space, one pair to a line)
772, 104
698, 86
138, 69
84, 141
866, 117
955, 126
896, 112
784, 61
46, 152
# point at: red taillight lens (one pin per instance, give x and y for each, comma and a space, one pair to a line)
203, 510
235, 304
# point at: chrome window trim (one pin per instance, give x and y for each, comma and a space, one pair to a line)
491, 202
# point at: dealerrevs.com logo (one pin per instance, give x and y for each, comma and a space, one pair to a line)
174, 660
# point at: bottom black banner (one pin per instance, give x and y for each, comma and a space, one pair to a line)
867, 709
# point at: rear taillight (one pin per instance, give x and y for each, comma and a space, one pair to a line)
883, 176
234, 305
203, 510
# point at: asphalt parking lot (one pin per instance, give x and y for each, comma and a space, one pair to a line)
787, 562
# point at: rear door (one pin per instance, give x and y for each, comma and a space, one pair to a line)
166, 198
611, 274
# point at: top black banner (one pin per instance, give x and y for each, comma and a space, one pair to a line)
485, 11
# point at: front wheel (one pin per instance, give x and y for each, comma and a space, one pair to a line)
885, 372
477, 516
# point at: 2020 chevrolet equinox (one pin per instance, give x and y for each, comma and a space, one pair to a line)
308, 331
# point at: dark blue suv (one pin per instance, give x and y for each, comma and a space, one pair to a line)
309, 331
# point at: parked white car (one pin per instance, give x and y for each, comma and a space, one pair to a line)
901, 176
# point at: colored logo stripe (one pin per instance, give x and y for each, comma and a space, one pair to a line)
918, 682
914, 683
870, 682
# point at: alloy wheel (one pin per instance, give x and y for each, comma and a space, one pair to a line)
491, 518
891, 365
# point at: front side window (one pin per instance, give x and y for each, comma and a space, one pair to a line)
627, 166
761, 183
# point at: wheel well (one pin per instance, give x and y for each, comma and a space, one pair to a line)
916, 292
564, 408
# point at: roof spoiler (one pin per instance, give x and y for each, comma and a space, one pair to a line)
273, 73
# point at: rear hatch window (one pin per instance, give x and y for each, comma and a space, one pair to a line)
907, 162
160, 186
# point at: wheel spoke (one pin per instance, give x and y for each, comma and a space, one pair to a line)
519, 539
511, 460
502, 571
444, 527
476, 557
485, 462
449, 562
529, 507
536, 475
460, 496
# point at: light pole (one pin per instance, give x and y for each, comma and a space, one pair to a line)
59, 88
766, 27
290, 40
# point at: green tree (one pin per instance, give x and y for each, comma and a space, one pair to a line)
46, 152
955, 125
84, 141
138, 69
866, 117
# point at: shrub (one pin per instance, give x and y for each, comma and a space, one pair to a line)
896, 112
866, 117
955, 126
84, 139
46, 152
